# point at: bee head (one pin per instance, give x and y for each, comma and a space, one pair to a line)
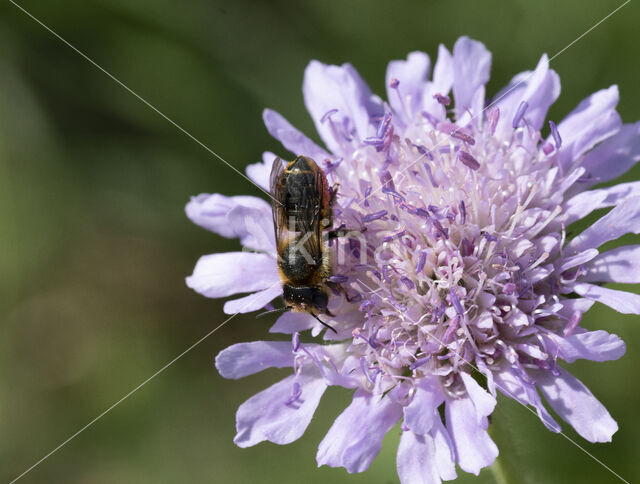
305, 298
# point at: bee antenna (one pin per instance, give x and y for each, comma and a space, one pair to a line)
277, 310
323, 323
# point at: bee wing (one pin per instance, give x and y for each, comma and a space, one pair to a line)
277, 205
314, 201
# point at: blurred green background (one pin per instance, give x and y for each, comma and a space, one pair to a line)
95, 244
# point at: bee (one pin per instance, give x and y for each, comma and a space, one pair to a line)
302, 217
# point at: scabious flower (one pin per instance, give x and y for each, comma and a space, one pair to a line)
468, 280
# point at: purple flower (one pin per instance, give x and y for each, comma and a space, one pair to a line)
468, 283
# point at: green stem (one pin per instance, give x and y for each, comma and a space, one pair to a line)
505, 468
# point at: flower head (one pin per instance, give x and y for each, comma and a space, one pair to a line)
466, 282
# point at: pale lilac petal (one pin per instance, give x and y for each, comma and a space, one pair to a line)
622, 301
220, 275
539, 89
292, 139
584, 203
290, 322
618, 265
327, 87
471, 66
416, 459
593, 120
483, 401
445, 451
566, 263
211, 211
259, 173
441, 84
474, 447
623, 219
253, 302
577, 406
412, 75
514, 387
587, 345
355, 438
268, 415
421, 413
570, 306
613, 157
243, 359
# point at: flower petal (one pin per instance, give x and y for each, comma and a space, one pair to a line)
268, 416
622, 301
623, 219
441, 84
220, 275
421, 413
259, 173
474, 447
577, 406
412, 75
584, 203
538, 88
445, 451
483, 401
514, 387
471, 67
290, 137
211, 212
355, 438
253, 302
243, 359
327, 87
593, 120
588, 345
621, 264
614, 156
290, 322
416, 459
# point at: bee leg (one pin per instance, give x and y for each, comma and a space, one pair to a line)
333, 192
343, 232
339, 288
323, 323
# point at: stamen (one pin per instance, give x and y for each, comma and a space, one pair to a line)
338, 278
389, 238
407, 282
455, 300
457, 132
444, 100
556, 134
463, 213
370, 217
492, 119
421, 261
394, 83
295, 394
430, 175
295, 341
387, 180
468, 160
328, 114
519, 114
384, 124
